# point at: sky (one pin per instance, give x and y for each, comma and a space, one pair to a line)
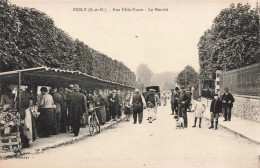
164, 40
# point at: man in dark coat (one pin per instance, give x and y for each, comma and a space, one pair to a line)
58, 101
174, 100
120, 103
138, 103
183, 103
77, 105
215, 109
64, 116
227, 100
70, 90
114, 105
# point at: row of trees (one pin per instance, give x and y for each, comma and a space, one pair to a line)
231, 43
29, 38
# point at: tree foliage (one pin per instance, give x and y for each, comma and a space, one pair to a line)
29, 38
231, 43
188, 77
144, 74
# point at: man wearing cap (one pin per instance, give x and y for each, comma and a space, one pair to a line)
77, 105
174, 100
183, 103
227, 100
138, 103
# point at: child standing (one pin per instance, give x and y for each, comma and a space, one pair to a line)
215, 109
199, 110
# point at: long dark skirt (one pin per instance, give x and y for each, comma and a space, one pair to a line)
127, 110
45, 122
101, 114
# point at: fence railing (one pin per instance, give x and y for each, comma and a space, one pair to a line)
243, 81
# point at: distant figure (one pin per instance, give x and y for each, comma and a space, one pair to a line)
227, 100
164, 99
174, 100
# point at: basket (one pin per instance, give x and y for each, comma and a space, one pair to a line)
10, 141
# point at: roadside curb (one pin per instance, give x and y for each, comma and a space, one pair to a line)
235, 132
57, 144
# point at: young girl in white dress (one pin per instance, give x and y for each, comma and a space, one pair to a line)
199, 110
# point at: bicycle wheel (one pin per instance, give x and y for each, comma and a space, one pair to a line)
91, 126
97, 126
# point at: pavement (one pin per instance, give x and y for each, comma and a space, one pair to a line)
149, 145
54, 141
247, 129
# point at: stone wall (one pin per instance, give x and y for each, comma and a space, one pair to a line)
247, 107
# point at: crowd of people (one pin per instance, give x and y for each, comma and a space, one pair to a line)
221, 105
61, 110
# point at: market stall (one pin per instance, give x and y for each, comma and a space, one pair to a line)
34, 77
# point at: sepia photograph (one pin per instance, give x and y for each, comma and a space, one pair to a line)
130, 84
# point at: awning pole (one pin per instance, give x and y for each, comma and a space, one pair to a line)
19, 91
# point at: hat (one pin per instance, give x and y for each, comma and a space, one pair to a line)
215, 94
176, 88
226, 88
114, 91
76, 87
137, 90
71, 85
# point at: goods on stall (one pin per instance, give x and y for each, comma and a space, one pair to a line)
10, 140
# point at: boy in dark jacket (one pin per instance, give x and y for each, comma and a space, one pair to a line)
215, 109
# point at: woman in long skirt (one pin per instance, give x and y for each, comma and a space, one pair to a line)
101, 103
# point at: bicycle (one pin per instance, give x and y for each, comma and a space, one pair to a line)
93, 121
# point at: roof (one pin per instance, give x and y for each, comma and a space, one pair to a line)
44, 76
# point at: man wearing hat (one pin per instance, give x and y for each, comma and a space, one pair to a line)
77, 106
70, 90
174, 100
183, 103
138, 103
227, 100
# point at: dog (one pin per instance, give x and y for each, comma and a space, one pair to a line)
179, 122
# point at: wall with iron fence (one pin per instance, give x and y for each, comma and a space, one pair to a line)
243, 81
